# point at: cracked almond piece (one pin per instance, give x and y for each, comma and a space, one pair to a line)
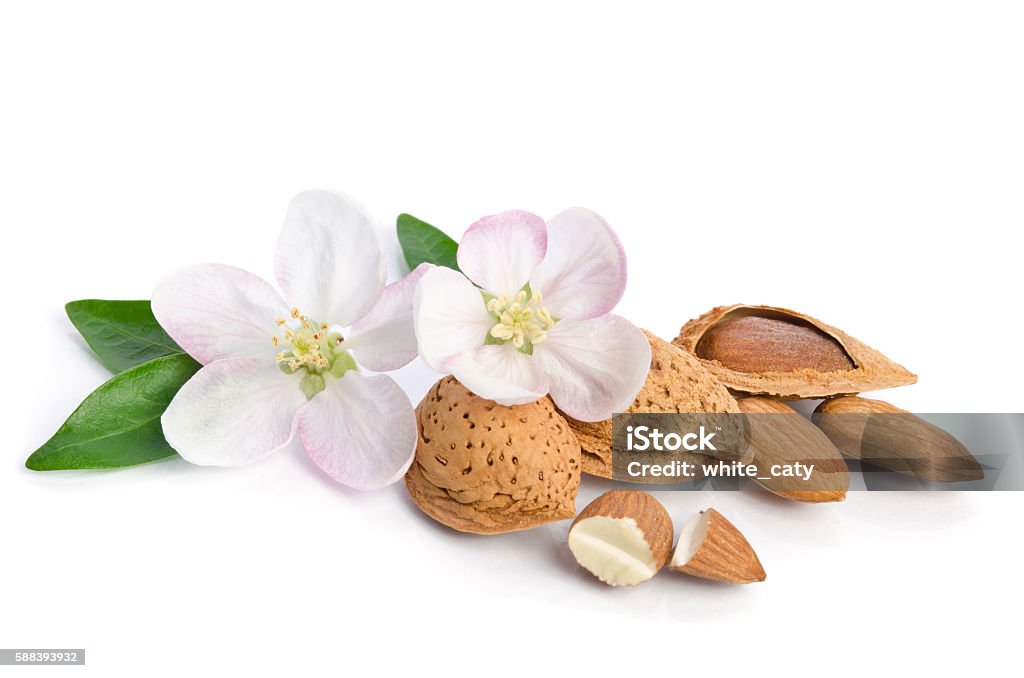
882, 434
623, 537
764, 350
676, 382
779, 436
710, 547
487, 468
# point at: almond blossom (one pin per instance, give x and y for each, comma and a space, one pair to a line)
531, 317
277, 372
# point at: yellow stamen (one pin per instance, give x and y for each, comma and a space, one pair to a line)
309, 346
521, 320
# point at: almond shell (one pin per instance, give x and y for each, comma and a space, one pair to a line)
677, 382
872, 370
487, 468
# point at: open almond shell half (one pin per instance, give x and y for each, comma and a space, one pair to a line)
764, 350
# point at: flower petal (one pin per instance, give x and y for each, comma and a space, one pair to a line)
385, 339
233, 412
449, 316
215, 311
500, 252
595, 367
361, 430
500, 373
329, 263
584, 272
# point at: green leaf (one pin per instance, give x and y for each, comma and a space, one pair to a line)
123, 334
119, 423
422, 242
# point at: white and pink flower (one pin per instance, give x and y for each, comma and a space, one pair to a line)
277, 371
531, 317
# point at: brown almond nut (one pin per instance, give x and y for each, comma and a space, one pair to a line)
757, 344
784, 440
677, 382
487, 468
764, 350
882, 434
623, 537
711, 547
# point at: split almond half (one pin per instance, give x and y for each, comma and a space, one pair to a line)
623, 537
711, 547
763, 350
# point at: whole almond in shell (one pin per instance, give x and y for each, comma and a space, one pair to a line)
487, 468
764, 350
779, 435
623, 537
676, 382
882, 434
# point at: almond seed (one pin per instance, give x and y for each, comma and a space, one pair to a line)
879, 433
780, 437
757, 344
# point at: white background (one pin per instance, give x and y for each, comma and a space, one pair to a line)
861, 162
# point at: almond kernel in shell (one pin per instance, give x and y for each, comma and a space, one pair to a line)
765, 344
764, 350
